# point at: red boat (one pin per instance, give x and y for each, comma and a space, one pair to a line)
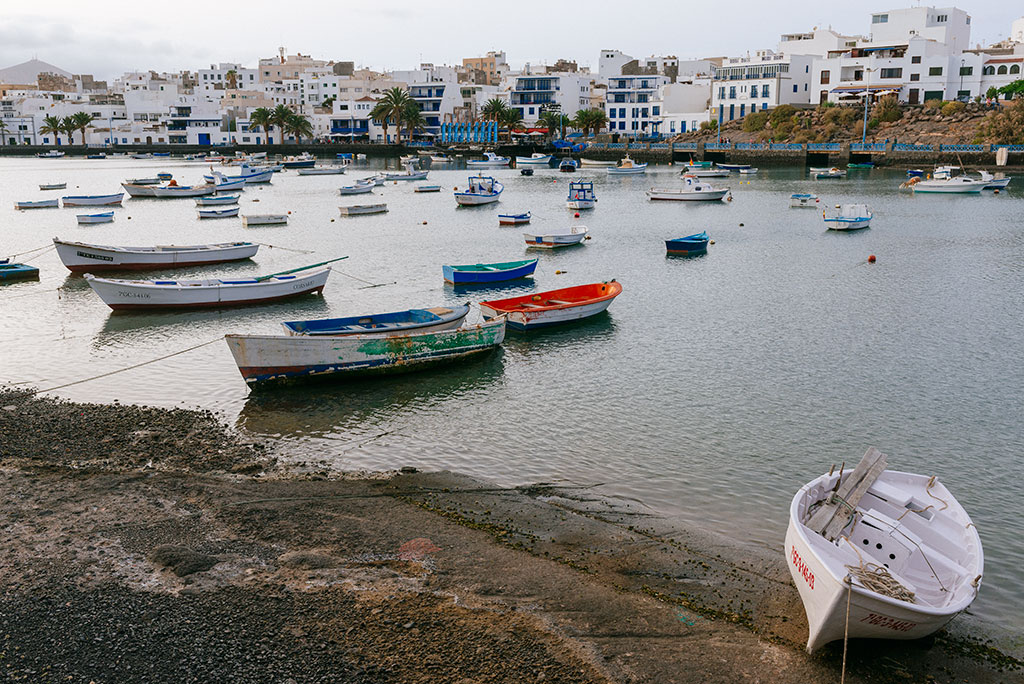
556, 306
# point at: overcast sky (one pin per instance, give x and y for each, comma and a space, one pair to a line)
106, 37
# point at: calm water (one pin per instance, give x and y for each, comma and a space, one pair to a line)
711, 390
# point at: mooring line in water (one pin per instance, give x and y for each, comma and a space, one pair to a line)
49, 246
287, 249
29, 294
127, 368
368, 283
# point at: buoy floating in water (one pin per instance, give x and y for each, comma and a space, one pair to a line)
996, 191
576, 215
559, 272
741, 225
871, 259
424, 223
711, 242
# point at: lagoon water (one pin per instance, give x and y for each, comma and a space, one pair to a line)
713, 388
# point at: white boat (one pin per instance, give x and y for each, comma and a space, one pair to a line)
92, 200
706, 173
833, 172
246, 173
52, 154
322, 171
142, 155
693, 189
359, 209
440, 159
535, 159
105, 217
559, 237
409, 158
82, 257
480, 190
992, 182
142, 181
264, 219
880, 554
216, 201
490, 161
949, 185
360, 188
38, 204
803, 199
53, 186
627, 167
217, 213
594, 163
155, 294
407, 175
847, 217
229, 185
428, 188
581, 195
170, 191
748, 172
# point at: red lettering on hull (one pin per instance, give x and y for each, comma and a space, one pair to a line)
801, 567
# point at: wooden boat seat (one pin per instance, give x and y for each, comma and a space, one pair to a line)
356, 327
440, 311
559, 301
532, 305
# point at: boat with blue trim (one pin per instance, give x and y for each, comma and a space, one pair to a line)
581, 195
513, 219
688, 246
848, 217
471, 274
389, 324
481, 190
9, 271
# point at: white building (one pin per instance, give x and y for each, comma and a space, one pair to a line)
533, 93
743, 85
684, 106
632, 104
948, 26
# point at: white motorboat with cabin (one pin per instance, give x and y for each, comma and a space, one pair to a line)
803, 199
490, 161
694, 189
535, 159
847, 217
480, 190
581, 195
627, 166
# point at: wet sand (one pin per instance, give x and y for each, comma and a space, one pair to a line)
151, 545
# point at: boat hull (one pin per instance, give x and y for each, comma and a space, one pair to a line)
534, 161
522, 319
581, 204
363, 209
470, 200
461, 277
92, 201
696, 196
95, 218
265, 220
218, 213
18, 272
847, 224
355, 189
265, 360
216, 201
79, 257
941, 188
41, 204
555, 240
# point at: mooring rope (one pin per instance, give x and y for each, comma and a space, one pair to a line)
127, 368
846, 632
287, 249
49, 246
877, 578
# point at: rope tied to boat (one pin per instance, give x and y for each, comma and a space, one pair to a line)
928, 491
43, 248
877, 578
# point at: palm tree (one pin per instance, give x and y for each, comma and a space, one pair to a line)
299, 125
553, 121
590, 119
232, 78
82, 121
3, 129
397, 101
510, 117
380, 115
262, 118
279, 117
413, 118
51, 126
492, 109
598, 119
67, 124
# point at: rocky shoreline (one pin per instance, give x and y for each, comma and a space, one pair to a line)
151, 545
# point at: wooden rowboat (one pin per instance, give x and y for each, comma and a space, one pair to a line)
688, 246
105, 217
219, 200
92, 200
559, 237
489, 273
880, 554
264, 219
513, 219
543, 309
360, 209
217, 213
269, 359
394, 323
9, 271
81, 257
172, 294
53, 186
38, 204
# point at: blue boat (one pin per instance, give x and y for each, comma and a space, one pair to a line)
164, 176
513, 219
343, 155
733, 167
9, 271
489, 273
161, 154
568, 165
687, 246
915, 173
385, 324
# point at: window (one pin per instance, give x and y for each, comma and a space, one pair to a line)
743, 110
933, 95
764, 106
795, 89
966, 71
622, 112
963, 94
1002, 68
655, 111
988, 71
732, 91
941, 18
915, 77
879, 18
644, 113
916, 59
807, 69
764, 90
1015, 69
826, 76
672, 126
636, 112
611, 113
721, 93
934, 71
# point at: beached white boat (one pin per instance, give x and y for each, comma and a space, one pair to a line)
581, 195
264, 219
803, 199
322, 171
217, 213
558, 237
594, 163
880, 554
38, 204
105, 217
847, 217
693, 189
277, 358
92, 200
216, 201
480, 190
155, 294
490, 161
82, 257
359, 209
535, 159
626, 167
53, 186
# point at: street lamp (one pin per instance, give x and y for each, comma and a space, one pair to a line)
962, 63
867, 95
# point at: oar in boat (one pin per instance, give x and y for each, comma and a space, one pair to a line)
296, 270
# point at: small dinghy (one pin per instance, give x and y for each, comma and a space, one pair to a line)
581, 195
748, 172
38, 204
408, 175
322, 171
360, 188
472, 274
92, 200
693, 189
591, 163
834, 172
565, 237
218, 201
173, 191
82, 257
803, 199
568, 165
627, 167
385, 324
513, 219
880, 554
142, 181
526, 172
53, 186
706, 172
9, 271
155, 294
543, 309
481, 190
165, 176
217, 213
847, 217
269, 359
360, 209
105, 217
688, 246
734, 167
428, 188
264, 220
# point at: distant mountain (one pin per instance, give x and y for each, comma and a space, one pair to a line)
27, 72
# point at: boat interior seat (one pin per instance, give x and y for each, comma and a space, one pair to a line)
558, 301
531, 305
